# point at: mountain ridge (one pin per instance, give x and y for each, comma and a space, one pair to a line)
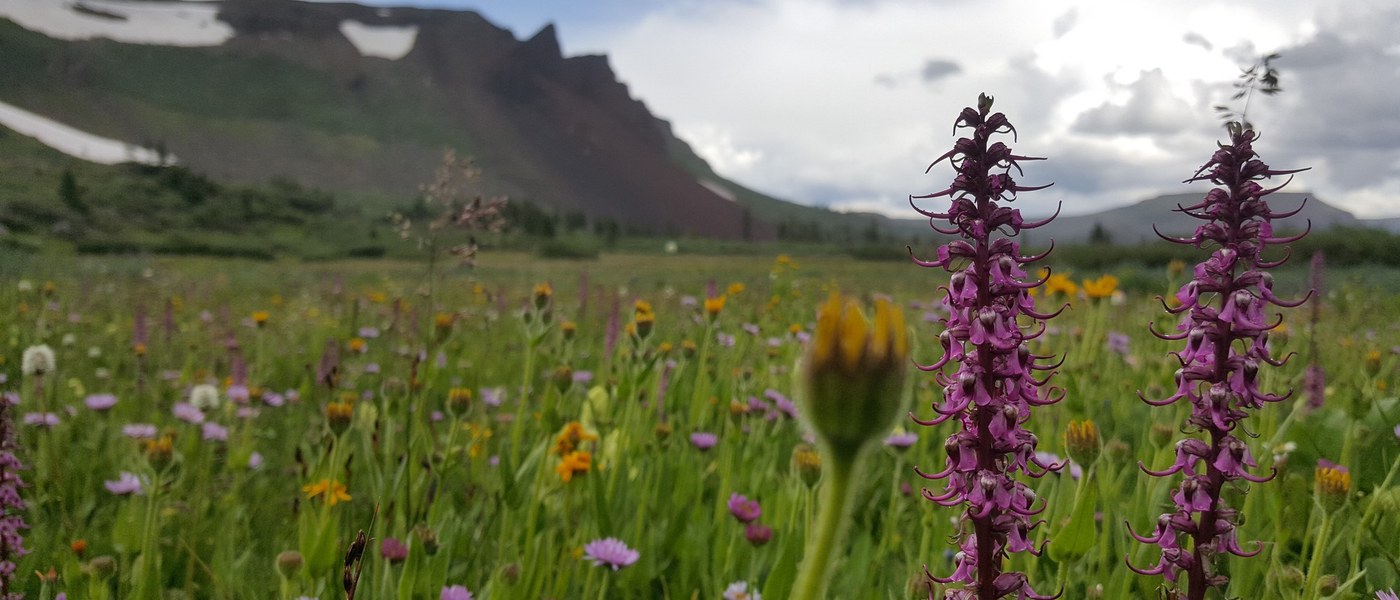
289, 94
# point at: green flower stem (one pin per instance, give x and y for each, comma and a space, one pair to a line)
1319, 550
836, 495
517, 428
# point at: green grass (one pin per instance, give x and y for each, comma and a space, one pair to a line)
507, 528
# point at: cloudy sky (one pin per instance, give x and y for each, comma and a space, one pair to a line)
843, 103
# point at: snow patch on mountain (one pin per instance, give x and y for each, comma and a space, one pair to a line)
74, 142
381, 41
132, 22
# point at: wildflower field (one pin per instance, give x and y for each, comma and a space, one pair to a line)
627, 428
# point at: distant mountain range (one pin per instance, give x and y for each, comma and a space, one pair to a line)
1132, 224
362, 101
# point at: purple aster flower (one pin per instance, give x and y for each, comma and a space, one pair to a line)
1118, 343
247, 412
781, 403
187, 412
689, 301
10, 398
610, 552
273, 399
493, 396
139, 431
126, 484
436, 416
724, 339
744, 509
372, 368
255, 461
393, 550
1226, 333
995, 387
237, 393
214, 432
758, 534
1386, 595
456, 592
739, 590
901, 441
41, 419
703, 440
583, 377
750, 328
369, 333
100, 402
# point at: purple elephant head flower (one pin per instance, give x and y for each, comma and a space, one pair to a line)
1226, 334
991, 394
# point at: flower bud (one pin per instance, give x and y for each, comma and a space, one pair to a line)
339, 415
1082, 441
102, 567
807, 464
854, 373
1333, 483
543, 293
288, 563
1327, 585
510, 573
563, 378
427, 538
758, 534
1287, 577
1162, 433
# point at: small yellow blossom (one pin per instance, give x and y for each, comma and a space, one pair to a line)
569, 439
736, 288
1060, 283
332, 491
1333, 484
713, 306
543, 293
1102, 287
573, 463
260, 318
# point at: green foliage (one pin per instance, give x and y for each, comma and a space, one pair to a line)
513, 529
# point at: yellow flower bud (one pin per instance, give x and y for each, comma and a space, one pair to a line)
854, 373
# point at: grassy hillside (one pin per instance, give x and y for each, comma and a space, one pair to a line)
52, 201
320, 125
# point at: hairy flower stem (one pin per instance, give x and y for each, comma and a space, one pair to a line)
829, 526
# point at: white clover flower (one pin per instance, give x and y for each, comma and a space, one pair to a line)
26, 285
37, 360
204, 396
69, 339
94, 352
